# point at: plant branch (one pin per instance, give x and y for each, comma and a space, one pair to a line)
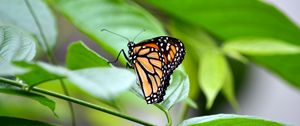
169, 118
74, 100
50, 57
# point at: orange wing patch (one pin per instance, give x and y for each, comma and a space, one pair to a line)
153, 55
136, 49
154, 84
152, 45
144, 81
171, 53
144, 51
146, 64
156, 63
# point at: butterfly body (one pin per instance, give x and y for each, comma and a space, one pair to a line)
154, 60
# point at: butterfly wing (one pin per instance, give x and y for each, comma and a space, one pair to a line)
149, 68
154, 61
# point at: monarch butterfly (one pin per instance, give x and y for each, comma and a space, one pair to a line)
154, 61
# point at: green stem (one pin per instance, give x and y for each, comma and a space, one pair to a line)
75, 100
169, 118
64, 87
50, 57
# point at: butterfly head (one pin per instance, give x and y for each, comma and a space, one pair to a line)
130, 44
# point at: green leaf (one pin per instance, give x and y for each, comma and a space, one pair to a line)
104, 83
35, 74
90, 16
256, 46
36, 97
228, 87
15, 45
210, 60
196, 42
9, 69
13, 121
15, 12
212, 74
228, 120
80, 56
190, 63
232, 19
191, 103
237, 56
177, 91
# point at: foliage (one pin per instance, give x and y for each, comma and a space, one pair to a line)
247, 31
228, 119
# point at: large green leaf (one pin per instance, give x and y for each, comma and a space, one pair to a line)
228, 120
105, 83
232, 19
13, 121
90, 16
15, 12
39, 98
80, 56
15, 45
176, 92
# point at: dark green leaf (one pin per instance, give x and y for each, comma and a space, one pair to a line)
90, 16
80, 56
228, 120
232, 19
39, 98
15, 12
15, 45
13, 121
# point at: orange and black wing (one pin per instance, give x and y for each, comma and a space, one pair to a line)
154, 61
149, 68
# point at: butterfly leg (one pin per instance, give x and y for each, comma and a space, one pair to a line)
122, 51
129, 66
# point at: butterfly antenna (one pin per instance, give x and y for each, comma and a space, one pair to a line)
116, 34
139, 34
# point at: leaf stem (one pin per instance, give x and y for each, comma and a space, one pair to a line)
50, 57
169, 118
75, 100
